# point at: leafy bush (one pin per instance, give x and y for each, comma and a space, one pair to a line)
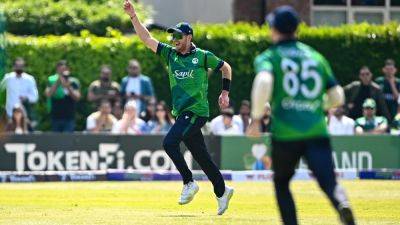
347, 48
41, 17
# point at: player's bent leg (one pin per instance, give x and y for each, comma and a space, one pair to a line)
320, 162
285, 156
196, 145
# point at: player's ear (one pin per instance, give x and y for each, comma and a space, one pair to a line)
190, 37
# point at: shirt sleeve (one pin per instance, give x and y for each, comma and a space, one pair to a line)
212, 61
262, 63
33, 94
163, 50
90, 123
330, 77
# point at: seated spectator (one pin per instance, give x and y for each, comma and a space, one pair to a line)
104, 88
266, 119
63, 94
19, 121
217, 122
244, 115
163, 121
357, 91
396, 124
150, 113
117, 110
390, 85
226, 126
338, 123
20, 89
369, 123
129, 123
102, 120
137, 86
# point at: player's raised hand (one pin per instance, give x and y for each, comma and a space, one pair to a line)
129, 9
223, 100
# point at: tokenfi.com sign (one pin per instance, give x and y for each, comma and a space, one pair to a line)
52, 152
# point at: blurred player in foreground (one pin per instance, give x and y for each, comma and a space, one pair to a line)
295, 78
187, 71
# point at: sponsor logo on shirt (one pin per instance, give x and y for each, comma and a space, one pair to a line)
183, 74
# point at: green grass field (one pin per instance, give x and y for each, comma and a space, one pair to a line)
150, 203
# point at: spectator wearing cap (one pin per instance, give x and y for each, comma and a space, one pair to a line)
102, 120
357, 91
20, 88
338, 123
217, 123
390, 86
136, 86
266, 119
63, 94
19, 123
227, 126
130, 123
370, 123
104, 89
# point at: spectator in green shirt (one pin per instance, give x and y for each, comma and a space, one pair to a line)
370, 123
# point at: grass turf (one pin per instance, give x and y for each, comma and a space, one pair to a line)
150, 203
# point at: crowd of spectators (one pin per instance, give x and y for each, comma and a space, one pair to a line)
130, 106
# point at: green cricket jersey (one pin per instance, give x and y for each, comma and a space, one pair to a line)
301, 78
188, 78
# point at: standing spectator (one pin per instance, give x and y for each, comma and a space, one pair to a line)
338, 123
63, 93
137, 86
104, 88
163, 121
226, 126
21, 88
102, 120
357, 91
369, 123
19, 121
266, 119
390, 86
130, 122
244, 115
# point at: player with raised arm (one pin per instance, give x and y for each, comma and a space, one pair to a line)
187, 71
295, 78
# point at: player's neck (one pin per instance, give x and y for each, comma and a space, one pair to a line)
186, 50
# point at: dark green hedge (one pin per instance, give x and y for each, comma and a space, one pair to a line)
347, 48
39, 17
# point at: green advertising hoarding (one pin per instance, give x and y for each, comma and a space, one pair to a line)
360, 152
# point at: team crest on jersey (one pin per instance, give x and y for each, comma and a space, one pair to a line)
195, 60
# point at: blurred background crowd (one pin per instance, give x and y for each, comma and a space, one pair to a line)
130, 106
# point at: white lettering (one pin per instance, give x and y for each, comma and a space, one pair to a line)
19, 150
41, 157
166, 164
53, 160
71, 160
137, 159
364, 155
89, 162
105, 151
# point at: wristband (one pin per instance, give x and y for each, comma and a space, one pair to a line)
226, 84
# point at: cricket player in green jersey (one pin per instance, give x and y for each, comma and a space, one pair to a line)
295, 78
187, 71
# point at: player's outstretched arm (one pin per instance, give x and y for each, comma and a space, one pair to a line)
226, 83
140, 29
260, 95
334, 97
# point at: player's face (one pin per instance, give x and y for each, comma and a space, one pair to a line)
180, 41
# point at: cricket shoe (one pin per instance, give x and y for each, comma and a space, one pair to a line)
188, 192
346, 216
223, 201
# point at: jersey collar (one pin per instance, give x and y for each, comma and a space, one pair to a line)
192, 50
286, 41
